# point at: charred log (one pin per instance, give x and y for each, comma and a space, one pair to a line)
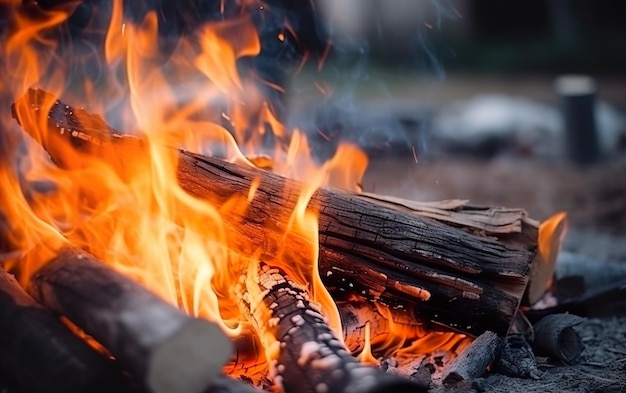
41, 355
161, 346
556, 338
307, 355
441, 273
516, 358
474, 360
356, 316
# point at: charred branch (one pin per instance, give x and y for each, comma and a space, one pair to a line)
161, 346
516, 358
426, 358
356, 317
306, 355
474, 360
556, 338
444, 273
41, 355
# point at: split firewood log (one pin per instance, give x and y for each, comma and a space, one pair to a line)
41, 355
462, 267
165, 349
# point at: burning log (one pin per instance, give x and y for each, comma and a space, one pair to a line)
356, 316
306, 354
470, 278
426, 368
161, 346
355, 320
42, 355
437, 272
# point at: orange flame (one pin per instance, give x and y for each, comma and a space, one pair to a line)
139, 221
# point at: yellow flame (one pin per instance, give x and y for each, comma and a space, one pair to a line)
133, 215
366, 355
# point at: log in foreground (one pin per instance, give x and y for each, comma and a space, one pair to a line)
468, 278
305, 355
164, 348
42, 355
356, 316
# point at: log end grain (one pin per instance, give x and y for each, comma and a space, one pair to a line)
198, 344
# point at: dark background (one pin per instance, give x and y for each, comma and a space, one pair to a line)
510, 36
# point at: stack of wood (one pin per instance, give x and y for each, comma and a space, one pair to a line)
447, 266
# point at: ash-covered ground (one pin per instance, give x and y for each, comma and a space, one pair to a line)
595, 199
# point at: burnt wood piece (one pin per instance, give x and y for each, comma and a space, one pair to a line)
474, 360
164, 348
41, 355
439, 273
424, 359
355, 319
516, 358
249, 359
305, 354
556, 338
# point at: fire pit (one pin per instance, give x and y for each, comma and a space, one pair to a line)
163, 231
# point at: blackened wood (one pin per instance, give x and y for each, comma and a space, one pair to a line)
417, 371
425, 359
306, 355
356, 317
41, 355
516, 358
556, 338
474, 360
161, 346
249, 360
439, 273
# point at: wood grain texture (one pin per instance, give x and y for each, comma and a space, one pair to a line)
305, 354
443, 272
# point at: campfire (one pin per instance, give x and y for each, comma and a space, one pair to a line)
163, 231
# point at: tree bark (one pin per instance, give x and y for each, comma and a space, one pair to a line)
439, 273
467, 277
161, 346
306, 355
